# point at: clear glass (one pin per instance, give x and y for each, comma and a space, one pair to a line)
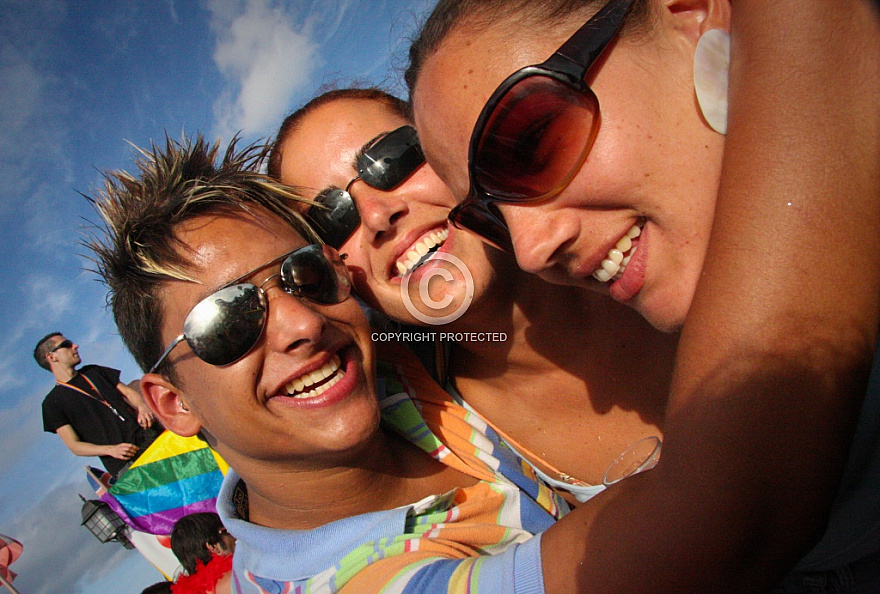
641, 456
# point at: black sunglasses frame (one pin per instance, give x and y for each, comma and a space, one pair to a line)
201, 344
64, 344
384, 165
569, 65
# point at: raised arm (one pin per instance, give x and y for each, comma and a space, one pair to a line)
775, 353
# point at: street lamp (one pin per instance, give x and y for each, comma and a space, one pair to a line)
103, 522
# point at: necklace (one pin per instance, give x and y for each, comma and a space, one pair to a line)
98, 398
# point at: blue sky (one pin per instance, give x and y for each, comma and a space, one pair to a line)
79, 81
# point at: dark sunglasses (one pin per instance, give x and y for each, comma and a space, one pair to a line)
383, 165
64, 344
536, 130
225, 326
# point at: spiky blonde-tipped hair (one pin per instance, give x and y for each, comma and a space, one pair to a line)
137, 248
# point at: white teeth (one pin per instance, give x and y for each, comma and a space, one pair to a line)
422, 247
331, 369
616, 255
614, 264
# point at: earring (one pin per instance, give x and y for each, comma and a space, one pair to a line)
711, 72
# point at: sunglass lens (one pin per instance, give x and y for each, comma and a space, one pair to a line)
488, 225
391, 159
318, 274
535, 139
223, 327
335, 217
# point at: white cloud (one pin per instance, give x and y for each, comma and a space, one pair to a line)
172, 10
20, 93
58, 552
21, 427
47, 303
266, 56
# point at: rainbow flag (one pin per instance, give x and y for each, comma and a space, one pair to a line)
173, 477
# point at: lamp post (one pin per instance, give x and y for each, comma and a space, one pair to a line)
103, 522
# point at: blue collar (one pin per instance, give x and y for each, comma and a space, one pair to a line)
289, 555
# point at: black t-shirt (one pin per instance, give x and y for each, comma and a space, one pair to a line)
93, 421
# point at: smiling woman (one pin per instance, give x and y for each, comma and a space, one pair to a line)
767, 331
614, 371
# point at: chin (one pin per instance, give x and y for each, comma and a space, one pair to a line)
664, 319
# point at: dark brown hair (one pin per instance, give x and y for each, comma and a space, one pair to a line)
190, 537
396, 105
41, 351
530, 14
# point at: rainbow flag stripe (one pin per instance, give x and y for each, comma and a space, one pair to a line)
174, 477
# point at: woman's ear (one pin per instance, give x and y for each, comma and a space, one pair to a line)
167, 403
695, 17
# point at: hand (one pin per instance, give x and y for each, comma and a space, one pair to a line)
145, 417
123, 451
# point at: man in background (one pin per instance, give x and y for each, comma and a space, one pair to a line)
90, 409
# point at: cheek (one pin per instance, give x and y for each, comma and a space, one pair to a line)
360, 261
426, 188
444, 153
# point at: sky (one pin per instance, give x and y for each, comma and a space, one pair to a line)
81, 81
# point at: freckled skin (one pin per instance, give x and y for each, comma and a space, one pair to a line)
631, 173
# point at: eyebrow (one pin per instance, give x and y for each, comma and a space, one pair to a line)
208, 291
266, 265
360, 153
354, 163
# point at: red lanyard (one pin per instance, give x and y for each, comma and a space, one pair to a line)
99, 398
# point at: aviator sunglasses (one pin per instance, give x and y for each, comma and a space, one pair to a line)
225, 326
384, 164
536, 130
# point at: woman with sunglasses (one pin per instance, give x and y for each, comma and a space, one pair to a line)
777, 346
353, 152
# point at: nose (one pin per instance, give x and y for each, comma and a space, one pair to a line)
539, 238
291, 324
380, 210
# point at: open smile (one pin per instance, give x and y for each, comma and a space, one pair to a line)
331, 380
316, 382
420, 251
614, 263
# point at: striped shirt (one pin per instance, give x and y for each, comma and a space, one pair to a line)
471, 539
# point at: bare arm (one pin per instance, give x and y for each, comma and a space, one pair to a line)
134, 398
120, 451
774, 356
